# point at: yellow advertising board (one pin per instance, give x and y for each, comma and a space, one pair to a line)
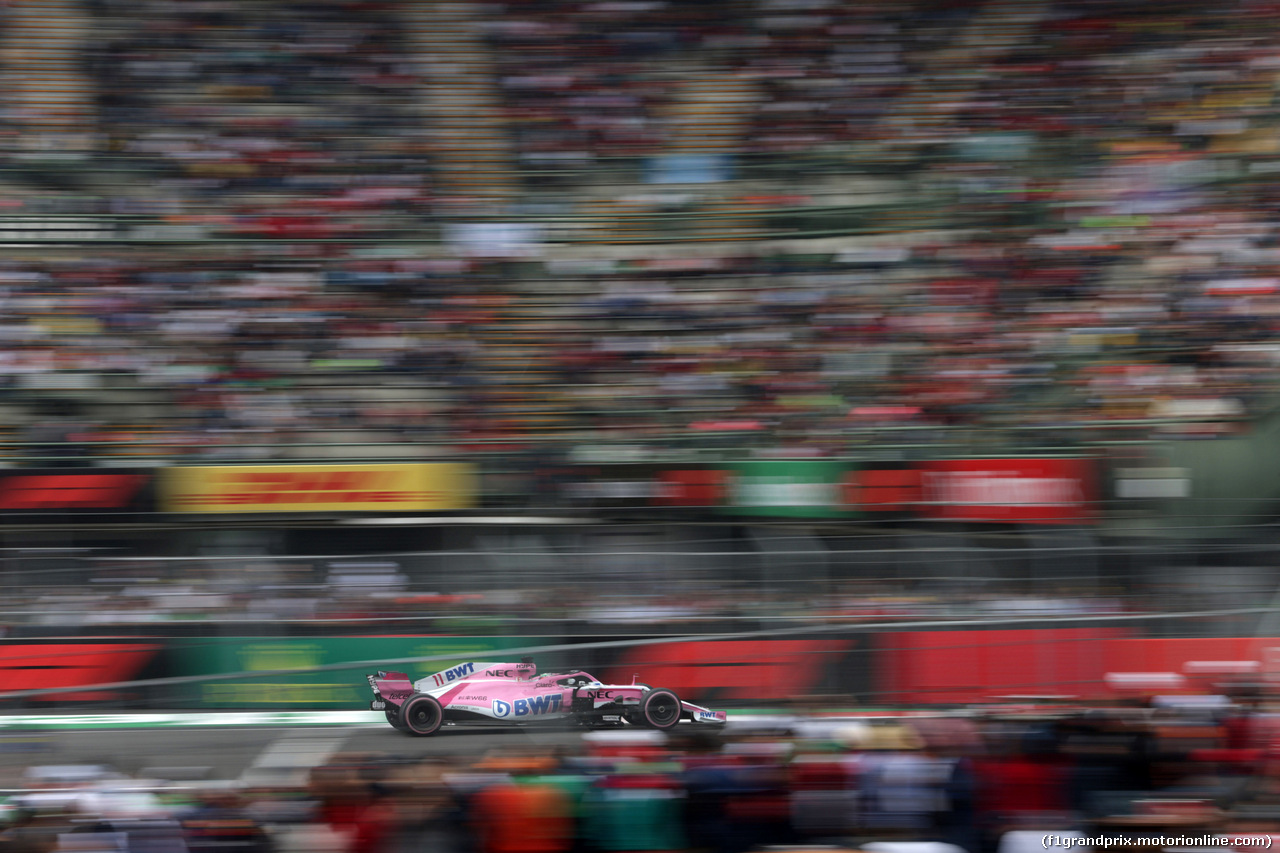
419, 487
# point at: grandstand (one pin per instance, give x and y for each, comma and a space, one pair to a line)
539, 237
695, 217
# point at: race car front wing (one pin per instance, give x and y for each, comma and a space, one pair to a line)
700, 714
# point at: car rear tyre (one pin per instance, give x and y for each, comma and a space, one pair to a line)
661, 709
421, 715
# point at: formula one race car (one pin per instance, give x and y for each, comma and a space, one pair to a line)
513, 693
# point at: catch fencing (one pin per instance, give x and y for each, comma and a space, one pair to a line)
866, 665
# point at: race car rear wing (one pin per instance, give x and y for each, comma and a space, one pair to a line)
473, 669
393, 687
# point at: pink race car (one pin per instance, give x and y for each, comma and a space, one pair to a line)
514, 693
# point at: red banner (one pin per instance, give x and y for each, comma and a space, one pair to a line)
1048, 491
974, 666
35, 666
741, 670
692, 487
99, 490
926, 667
883, 489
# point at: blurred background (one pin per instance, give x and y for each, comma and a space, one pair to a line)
876, 357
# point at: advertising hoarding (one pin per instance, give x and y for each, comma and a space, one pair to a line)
794, 488
26, 665
418, 487
1046, 491
55, 491
274, 687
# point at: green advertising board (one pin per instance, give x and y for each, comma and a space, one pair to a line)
330, 688
793, 488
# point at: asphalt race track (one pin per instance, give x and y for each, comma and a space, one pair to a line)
253, 754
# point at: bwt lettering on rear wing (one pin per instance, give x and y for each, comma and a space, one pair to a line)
448, 675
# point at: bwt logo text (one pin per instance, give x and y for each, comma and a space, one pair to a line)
548, 704
450, 674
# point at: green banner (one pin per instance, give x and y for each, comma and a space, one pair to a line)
795, 488
341, 688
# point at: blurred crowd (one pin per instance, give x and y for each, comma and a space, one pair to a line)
142, 604
999, 781
280, 119
357, 593
1073, 226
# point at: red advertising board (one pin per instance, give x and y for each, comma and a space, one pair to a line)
974, 666
692, 487
883, 489
928, 667
1173, 654
35, 666
734, 670
1047, 491
644, 484
101, 490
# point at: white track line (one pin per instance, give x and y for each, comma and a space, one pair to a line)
288, 760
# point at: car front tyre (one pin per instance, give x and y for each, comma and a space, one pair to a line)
661, 709
421, 715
